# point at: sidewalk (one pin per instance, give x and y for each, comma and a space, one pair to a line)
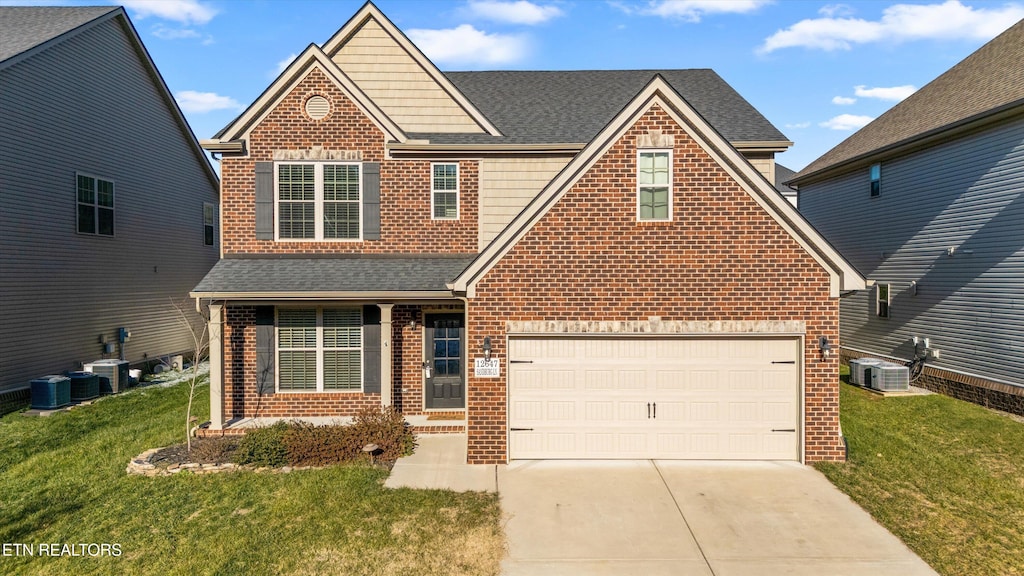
440, 463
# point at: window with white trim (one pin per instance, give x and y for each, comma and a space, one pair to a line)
882, 299
318, 201
209, 224
320, 349
654, 185
444, 191
95, 205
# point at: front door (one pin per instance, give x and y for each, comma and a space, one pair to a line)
445, 336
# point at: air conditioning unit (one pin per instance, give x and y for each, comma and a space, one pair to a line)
889, 377
858, 370
113, 375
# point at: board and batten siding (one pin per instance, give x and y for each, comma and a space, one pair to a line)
400, 85
964, 196
61, 291
507, 185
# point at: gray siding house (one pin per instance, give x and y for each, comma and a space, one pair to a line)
928, 202
109, 205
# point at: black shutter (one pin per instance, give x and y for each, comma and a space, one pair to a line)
371, 349
265, 350
371, 201
264, 200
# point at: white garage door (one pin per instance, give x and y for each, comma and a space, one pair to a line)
708, 398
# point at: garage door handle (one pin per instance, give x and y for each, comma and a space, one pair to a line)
522, 429
783, 361
783, 429
520, 361
648, 410
655, 410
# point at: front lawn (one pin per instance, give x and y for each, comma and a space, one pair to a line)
63, 481
945, 476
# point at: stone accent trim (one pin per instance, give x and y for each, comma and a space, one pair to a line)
318, 153
973, 389
656, 326
655, 139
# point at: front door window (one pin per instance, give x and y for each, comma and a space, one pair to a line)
446, 361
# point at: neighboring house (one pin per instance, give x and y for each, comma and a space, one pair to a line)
928, 201
783, 175
109, 204
560, 264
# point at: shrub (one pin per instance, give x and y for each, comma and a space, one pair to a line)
214, 450
310, 445
264, 446
387, 429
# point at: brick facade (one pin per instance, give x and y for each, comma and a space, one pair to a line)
722, 257
406, 223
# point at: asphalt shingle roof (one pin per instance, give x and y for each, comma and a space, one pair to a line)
559, 107
989, 79
335, 274
25, 27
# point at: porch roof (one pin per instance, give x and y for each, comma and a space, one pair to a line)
356, 276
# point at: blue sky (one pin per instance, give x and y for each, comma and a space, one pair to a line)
817, 70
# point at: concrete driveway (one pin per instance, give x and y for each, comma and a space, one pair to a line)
702, 518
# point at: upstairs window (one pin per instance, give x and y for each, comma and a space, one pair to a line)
209, 220
444, 191
882, 300
876, 180
654, 185
95, 206
318, 201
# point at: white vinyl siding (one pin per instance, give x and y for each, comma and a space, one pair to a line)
318, 201
444, 191
95, 205
654, 185
319, 349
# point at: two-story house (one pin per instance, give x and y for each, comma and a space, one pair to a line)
928, 201
585, 264
109, 210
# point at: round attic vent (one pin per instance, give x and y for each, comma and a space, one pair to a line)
317, 107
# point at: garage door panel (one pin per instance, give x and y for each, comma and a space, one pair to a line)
653, 398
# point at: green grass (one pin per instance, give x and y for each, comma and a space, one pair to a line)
945, 476
63, 480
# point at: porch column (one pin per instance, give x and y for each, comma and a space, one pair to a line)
386, 392
216, 367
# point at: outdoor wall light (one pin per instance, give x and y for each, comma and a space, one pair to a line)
487, 347
825, 346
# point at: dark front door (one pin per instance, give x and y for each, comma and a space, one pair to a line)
445, 337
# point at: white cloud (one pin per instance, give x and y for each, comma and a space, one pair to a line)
184, 11
899, 23
694, 10
519, 12
200, 102
894, 94
832, 10
165, 33
799, 125
843, 100
467, 45
284, 63
846, 122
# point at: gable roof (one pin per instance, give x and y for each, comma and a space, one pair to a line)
986, 83
370, 12
23, 28
312, 57
844, 277
783, 175
27, 30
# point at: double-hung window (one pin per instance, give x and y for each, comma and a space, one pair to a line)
95, 205
209, 220
318, 201
319, 349
654, 185
876, 180
882, 300
444, 191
